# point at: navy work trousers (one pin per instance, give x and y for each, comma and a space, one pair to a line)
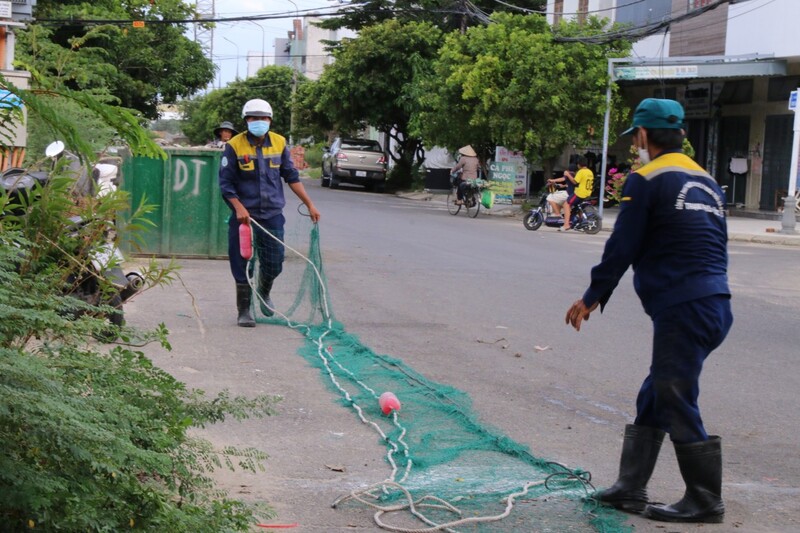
683, 336
270, 252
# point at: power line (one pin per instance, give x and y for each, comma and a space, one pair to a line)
545, 12
637, 32
243, 18
725, 21
474, 11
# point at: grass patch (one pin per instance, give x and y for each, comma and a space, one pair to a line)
312, 173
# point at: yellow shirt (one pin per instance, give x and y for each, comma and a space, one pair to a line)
584, 181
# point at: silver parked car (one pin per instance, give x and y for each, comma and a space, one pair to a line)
359, 161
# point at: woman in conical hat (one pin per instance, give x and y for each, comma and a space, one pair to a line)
468, 164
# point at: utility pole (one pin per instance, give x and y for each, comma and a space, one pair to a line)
291, 107
789, 220
297, 34
204, 34
237, 56
260, 27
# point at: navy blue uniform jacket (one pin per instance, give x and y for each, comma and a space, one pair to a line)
671, 228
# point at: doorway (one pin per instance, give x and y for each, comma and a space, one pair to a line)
777, 160
734, 140
697, 133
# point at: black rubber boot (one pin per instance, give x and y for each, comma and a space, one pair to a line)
264, 288
243, 297
640, 448
701, 468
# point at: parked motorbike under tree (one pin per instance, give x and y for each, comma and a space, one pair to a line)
84, 244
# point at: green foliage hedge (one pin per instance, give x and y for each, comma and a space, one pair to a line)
95, 437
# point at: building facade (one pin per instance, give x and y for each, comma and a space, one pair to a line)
13, 16
308, 49
732, 64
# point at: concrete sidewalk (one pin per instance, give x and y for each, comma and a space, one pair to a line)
740, 229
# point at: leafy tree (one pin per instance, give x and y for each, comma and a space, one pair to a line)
138, 67
528, 91
369, 85
447, 15
310, 122
271, 83
442, 115
96, 132
43, 109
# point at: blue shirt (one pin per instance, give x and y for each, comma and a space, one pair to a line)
671, 228
253, 173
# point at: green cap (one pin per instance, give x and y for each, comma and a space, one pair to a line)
657, 113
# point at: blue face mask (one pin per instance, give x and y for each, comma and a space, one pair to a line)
259, 128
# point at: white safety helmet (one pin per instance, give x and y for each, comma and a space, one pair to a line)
257, 108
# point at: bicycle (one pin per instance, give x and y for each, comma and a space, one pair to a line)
472, 197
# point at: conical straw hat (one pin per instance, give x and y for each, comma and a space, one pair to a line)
467, 150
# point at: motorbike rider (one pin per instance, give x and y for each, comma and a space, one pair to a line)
583, 182
566, 187
252, 166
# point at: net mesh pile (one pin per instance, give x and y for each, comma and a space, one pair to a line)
436, 446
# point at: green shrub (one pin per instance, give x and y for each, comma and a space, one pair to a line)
96, 438
314, 155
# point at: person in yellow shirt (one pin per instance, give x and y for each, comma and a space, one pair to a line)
584, 181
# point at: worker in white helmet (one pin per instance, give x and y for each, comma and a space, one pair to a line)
252, 166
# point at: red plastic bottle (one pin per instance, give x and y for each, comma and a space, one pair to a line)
245, 241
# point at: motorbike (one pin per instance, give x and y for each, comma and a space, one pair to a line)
100, 280
583, 217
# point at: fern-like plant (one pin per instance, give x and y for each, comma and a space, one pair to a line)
96, 437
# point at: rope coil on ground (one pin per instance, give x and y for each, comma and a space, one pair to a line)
412, 506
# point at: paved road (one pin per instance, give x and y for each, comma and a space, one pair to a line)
436, 291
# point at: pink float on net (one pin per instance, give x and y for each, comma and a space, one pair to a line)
388, 402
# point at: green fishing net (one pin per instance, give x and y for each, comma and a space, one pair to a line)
444, 465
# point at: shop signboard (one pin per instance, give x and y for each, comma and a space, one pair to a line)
504, 155
502, 177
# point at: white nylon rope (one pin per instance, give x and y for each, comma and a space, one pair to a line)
325, 311
326, 360
412, 505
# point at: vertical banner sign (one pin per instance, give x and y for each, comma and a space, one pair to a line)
504, 155
502, 177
